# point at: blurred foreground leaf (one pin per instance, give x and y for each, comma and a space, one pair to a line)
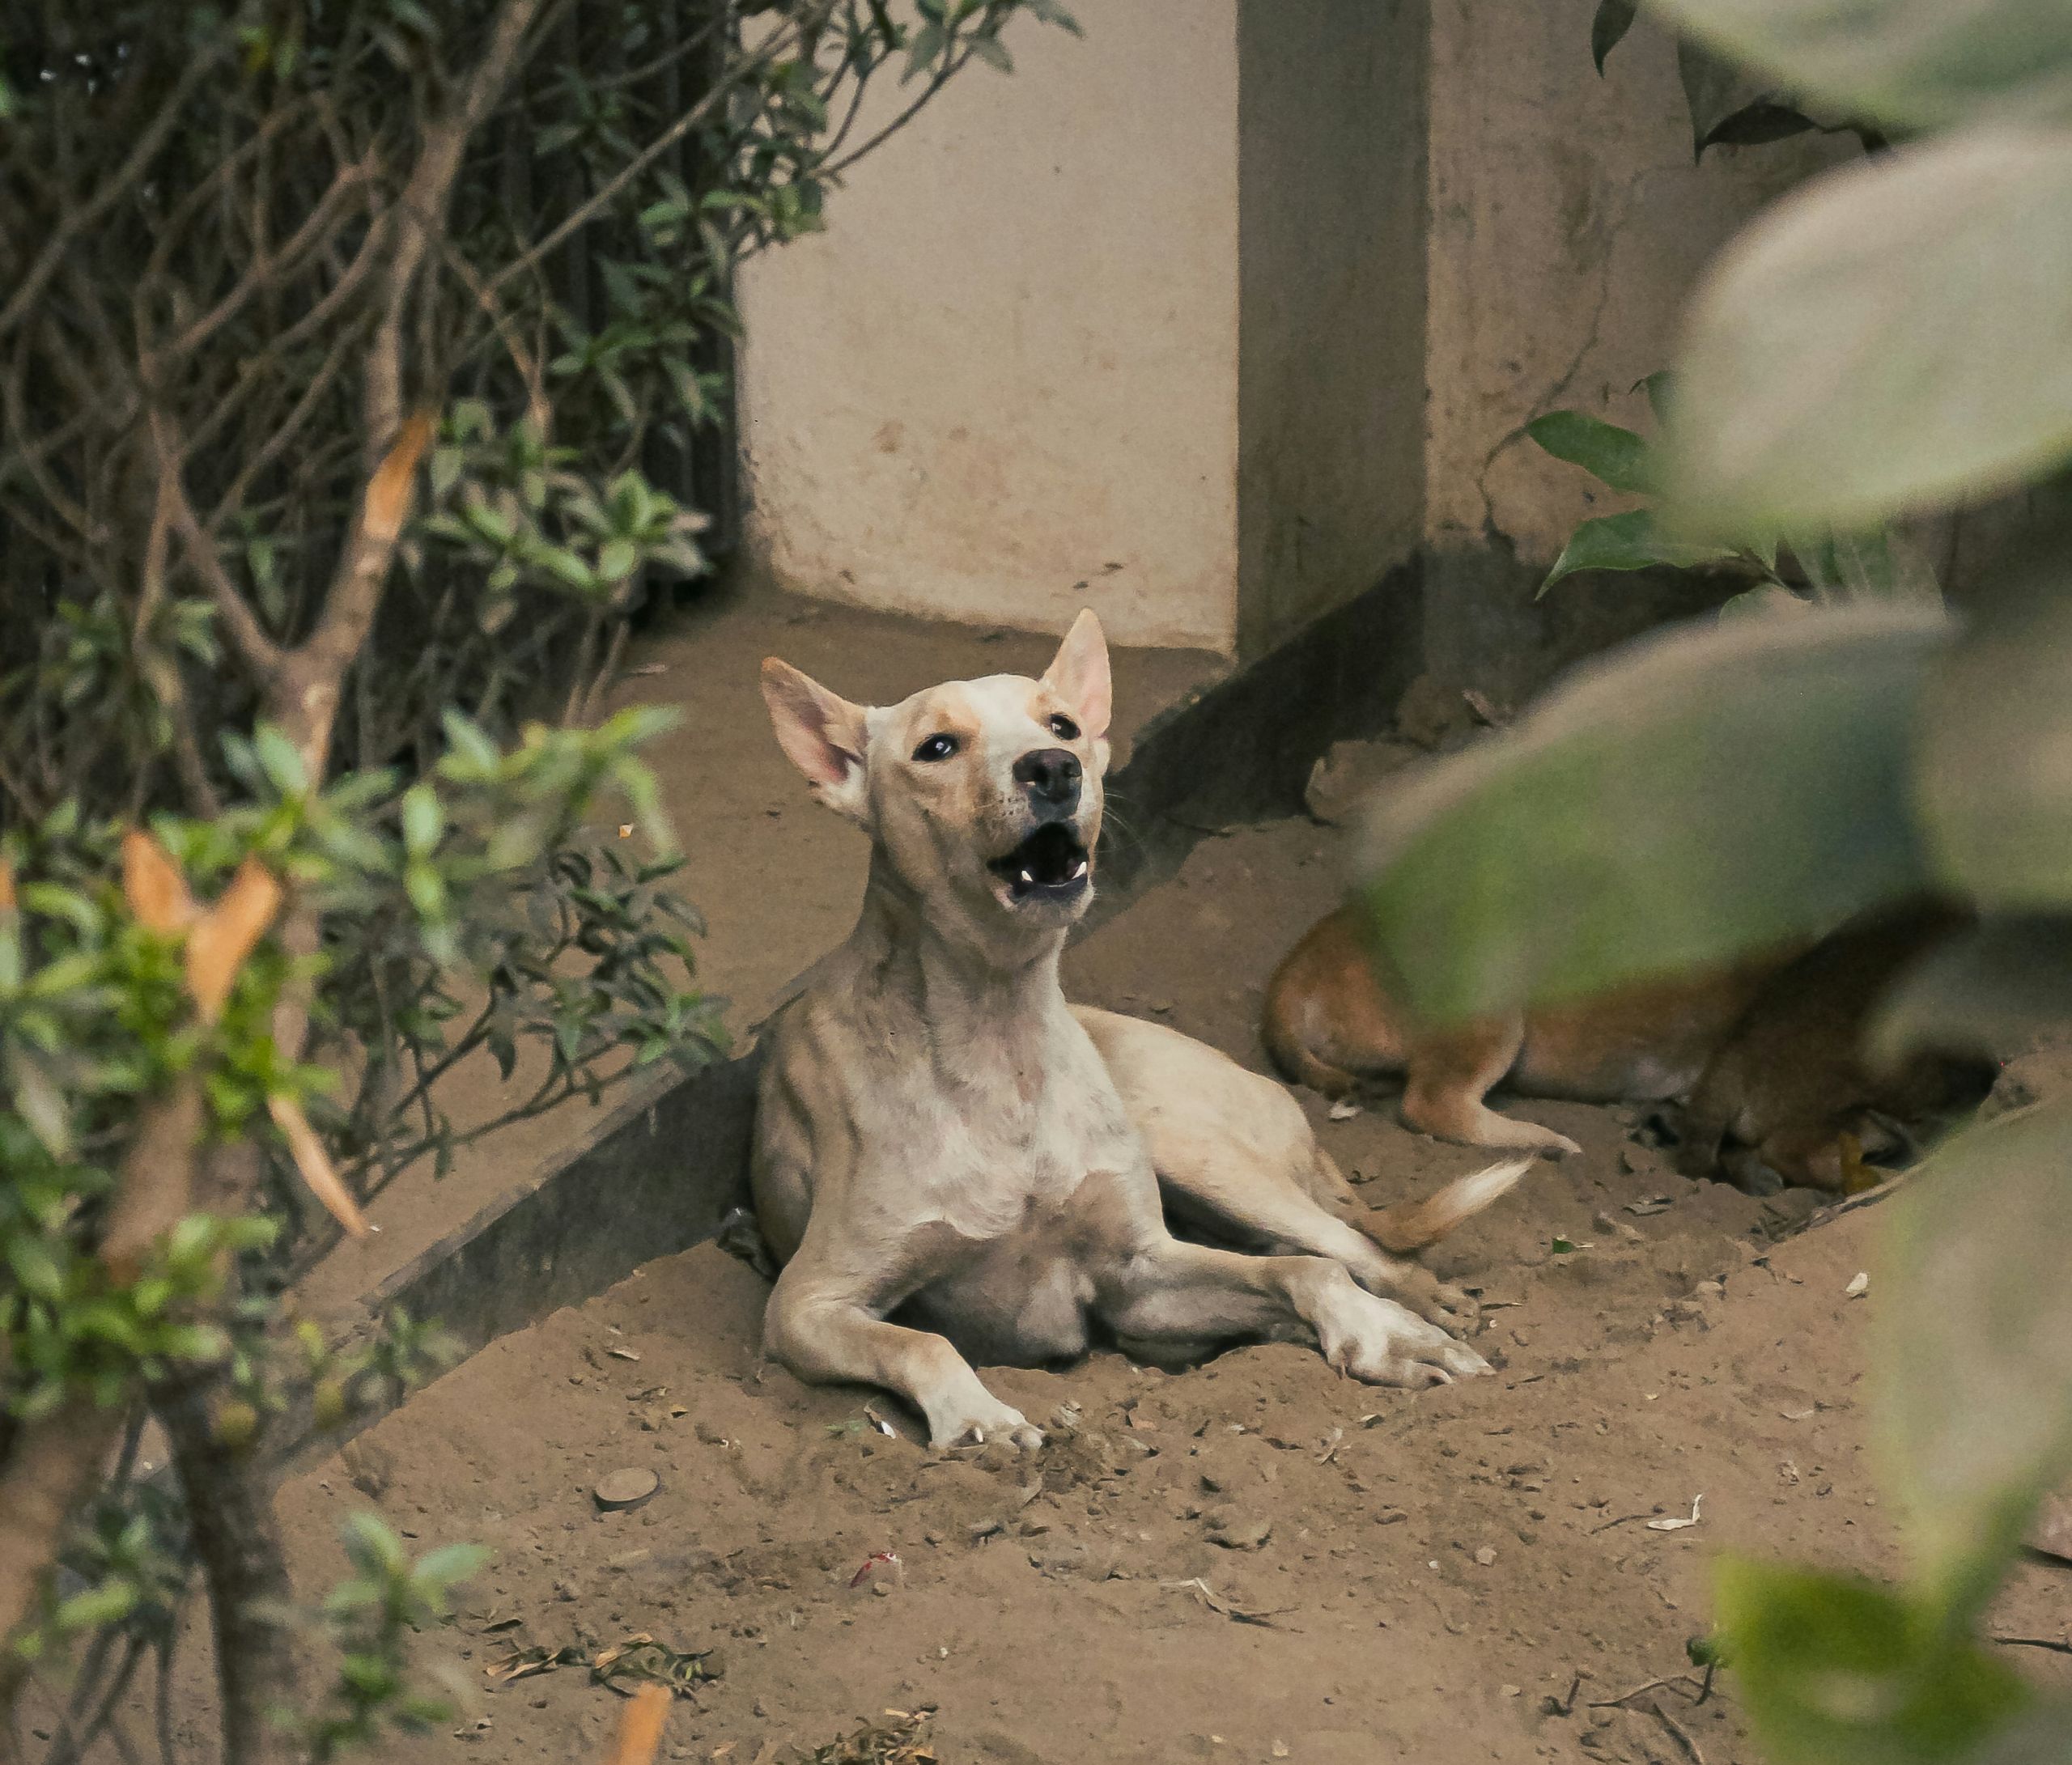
1708, 791
1907, 62
1835, 1671
1995, 763
1876, 342
1975, 1360
1988, 991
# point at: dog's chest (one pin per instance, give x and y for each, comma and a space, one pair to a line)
999, 1143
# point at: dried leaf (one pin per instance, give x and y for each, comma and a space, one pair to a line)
640, 1729
314, 1162
1676, 1524
224, 936
1207, 1596
152, 885
388, 492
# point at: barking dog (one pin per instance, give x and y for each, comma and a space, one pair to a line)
952, 1161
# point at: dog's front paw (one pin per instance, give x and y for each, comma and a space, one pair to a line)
1388, 1344
977, 1423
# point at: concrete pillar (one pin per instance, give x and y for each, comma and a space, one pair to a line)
1567, 219
1331, 129
1211, 318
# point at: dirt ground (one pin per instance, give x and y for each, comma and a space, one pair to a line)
1253, 1560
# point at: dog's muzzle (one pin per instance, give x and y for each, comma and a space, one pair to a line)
1050, 865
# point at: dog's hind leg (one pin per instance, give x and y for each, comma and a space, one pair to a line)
1234, 1153
1448, 1079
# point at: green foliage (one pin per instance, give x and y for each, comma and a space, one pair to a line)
371, 1616
1868, 351
1841, 1672
1785, 417
1821, 568
1906, 62
1632, 824
253, 257
1728, 105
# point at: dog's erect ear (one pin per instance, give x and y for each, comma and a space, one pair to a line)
822, 736
1078, 674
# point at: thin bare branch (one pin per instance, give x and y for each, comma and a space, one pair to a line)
76, 218
259, 652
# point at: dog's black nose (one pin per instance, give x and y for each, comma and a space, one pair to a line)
1052, 775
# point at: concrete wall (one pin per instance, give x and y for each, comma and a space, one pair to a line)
1567, 221
1004, 385
1331, 126
1210, 319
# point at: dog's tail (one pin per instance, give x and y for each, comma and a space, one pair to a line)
1411, 1226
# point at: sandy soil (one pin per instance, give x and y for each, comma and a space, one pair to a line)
1252, 1560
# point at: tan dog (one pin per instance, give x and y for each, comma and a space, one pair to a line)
1329, 1024
949, 1157
1791, 1099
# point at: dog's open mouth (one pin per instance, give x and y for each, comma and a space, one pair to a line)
1050, 865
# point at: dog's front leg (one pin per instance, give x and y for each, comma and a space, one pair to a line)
1176, 1292
826, 1337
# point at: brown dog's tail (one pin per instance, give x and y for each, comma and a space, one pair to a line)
1411, 1226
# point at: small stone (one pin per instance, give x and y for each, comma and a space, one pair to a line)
1486, 1556
624, 1489
1235, 1530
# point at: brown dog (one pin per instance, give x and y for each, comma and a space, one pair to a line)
1791, 1099
1768, 1052
1329, 1024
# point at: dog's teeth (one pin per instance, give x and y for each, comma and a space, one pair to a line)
1078, 870
1029, 878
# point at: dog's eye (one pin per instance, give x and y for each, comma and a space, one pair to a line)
937, 748
1064, 728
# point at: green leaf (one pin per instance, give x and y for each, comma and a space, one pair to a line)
1729, 108
1628, 541
1905, 61
1712, 790
109, 1603
928, 45
1841, 566
1870, 345
1975, 1360
441, 1568
1611, 455
423, 820
993, 53
372, 1548
1835, 1671
1614, 18
40, 1102
1995, 742
279, 761
1989, 990
618, 560
35, 1267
